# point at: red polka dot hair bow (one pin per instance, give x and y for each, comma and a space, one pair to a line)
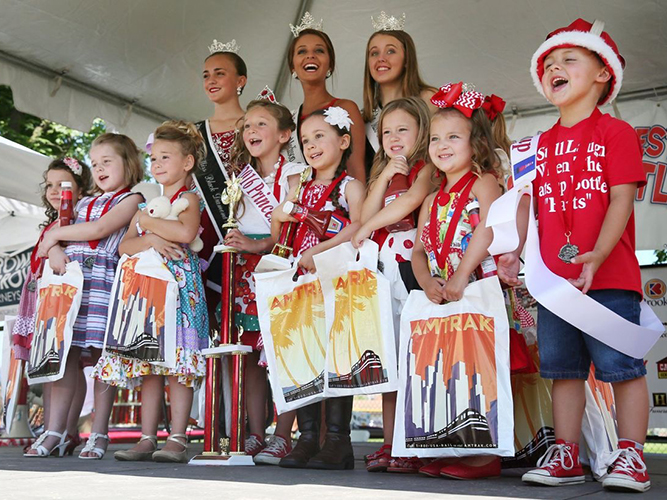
493, 105
461, 96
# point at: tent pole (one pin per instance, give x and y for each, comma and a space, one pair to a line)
284, 75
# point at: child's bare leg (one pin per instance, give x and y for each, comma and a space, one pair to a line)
569, 401
388, 416
284, 424
180, 398
62, 392
152, 388
632, 409
256, 394
77, 405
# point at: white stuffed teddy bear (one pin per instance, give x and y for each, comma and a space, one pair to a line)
161, 208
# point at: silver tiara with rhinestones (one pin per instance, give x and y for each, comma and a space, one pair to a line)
224, 47
307, 22
386, 23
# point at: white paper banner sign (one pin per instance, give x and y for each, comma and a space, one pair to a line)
557, 294
523, 159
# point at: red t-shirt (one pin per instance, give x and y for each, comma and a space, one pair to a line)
614, 158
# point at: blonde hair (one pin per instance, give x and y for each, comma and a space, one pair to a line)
188, 138
124, 147
240, 156
411, 81
415, 107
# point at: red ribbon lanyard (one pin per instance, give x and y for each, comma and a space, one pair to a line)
577, 167
173, 198
34, 260
414, 171
319, 204
276, 181
93, 243
463, 187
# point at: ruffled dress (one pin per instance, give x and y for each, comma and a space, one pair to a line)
191, 333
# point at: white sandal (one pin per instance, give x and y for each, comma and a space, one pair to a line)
173, 456
98, 453
43, 451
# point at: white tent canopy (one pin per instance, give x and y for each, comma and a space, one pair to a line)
135, 63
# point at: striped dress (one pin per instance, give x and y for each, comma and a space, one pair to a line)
99, 267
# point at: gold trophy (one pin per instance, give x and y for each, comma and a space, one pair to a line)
282, 248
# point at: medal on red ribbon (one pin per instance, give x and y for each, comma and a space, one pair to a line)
565, 203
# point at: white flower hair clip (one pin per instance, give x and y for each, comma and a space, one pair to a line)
338, 117
73, 165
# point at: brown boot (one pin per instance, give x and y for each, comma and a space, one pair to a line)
308, 444
337, 452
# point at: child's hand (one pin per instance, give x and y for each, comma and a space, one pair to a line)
240, 241
58, 261
362, 234
434, 290
47, 244
168, 249
397, 165
592, 261
454, 287
508, 269
279, 215
307, 261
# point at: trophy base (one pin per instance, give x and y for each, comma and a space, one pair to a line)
222, 460
223, 349
272, 262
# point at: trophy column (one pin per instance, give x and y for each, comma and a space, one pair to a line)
226, 451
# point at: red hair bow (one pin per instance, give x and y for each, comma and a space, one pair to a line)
493, 105
461, 96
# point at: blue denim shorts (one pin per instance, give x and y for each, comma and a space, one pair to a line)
566, 352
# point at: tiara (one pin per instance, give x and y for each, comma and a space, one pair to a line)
386, 23
267, 95
224, 47
307, 22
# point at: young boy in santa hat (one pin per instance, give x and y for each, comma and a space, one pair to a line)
589, 166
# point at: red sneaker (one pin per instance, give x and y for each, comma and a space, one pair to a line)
379, 461
277, 448
409, 465
464, 471
254, 444
559, 466
629, 470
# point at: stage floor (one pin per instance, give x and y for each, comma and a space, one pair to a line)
71, 478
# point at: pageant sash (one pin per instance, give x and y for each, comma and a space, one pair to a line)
292, 149
554, 292
260, 195
372, 130
211, 180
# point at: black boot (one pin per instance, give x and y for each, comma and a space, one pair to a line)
308, 444
337, 453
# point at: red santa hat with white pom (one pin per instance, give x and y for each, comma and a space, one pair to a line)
581, 33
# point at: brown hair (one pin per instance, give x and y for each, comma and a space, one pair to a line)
411, 81
240, 156
188, 138
484, 158
125, 148
237, 61
83, 181
342, 166
327, 42
499, 132
415, 107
